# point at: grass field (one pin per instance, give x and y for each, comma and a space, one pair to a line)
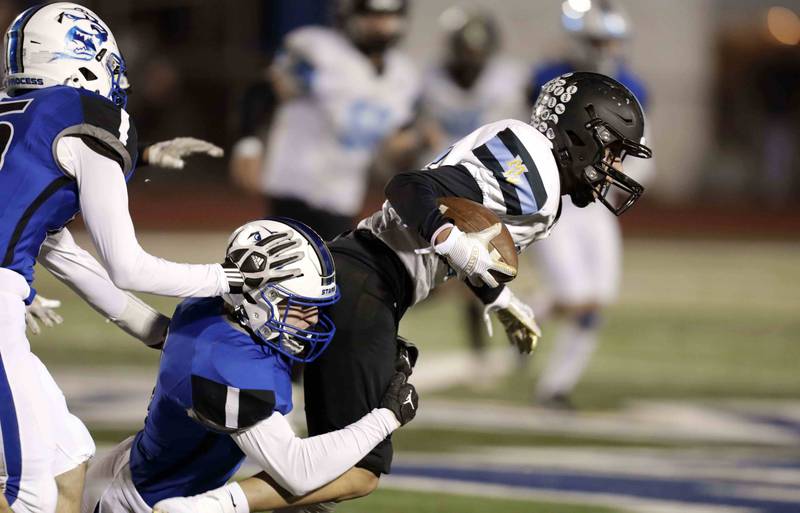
696, 320
395, 501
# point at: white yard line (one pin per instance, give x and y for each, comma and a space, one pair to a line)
617, 502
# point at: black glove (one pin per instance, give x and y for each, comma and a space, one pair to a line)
401, 398
407, 354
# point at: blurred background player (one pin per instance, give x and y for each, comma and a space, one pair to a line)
581, 261
342, 96
474, 84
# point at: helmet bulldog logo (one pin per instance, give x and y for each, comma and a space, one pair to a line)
85, 37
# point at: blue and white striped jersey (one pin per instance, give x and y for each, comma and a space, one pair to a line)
513, 166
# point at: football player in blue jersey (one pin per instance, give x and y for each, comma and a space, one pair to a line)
224, 389
67, 145
581, 261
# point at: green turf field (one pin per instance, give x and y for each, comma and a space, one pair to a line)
396, 501
696, 320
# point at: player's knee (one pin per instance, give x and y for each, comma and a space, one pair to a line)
589, 319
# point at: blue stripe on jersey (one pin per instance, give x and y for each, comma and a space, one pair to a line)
15, 39
513, 172
12, 449
516, 147
509, 191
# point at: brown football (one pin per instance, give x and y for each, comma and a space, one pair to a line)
473, 217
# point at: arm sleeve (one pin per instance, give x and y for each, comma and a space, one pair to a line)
301, 465
413, 195
83, 274
104, 203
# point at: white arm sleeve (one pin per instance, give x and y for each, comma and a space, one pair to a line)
104, 203
301, 465
83, 274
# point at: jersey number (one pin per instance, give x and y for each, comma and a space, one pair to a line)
6, 128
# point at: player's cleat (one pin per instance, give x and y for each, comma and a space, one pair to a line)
557, 402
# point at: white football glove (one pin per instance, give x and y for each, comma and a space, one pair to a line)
42, 309
221, 500
468, 254
170, 154
517, 319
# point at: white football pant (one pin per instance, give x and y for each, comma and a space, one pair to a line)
581, 264
109, 484
41, 439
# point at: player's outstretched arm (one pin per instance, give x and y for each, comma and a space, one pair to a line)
79, 270
171, 154
104, 203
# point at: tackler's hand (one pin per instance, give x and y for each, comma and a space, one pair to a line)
518, 320
401, 399
42, 309
170, 154
271, 260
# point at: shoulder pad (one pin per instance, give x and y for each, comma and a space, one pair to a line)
109, 126
226, 408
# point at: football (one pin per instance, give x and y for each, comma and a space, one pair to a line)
471, 217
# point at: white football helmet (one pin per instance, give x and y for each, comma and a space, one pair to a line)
291, 266
64, 44
595, 19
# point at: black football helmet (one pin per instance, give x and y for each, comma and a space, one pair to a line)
592, 120
472, 39
372, 39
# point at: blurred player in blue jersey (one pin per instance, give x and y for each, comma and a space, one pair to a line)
474, 85
224, 389
346, 95
581, 260
67, 146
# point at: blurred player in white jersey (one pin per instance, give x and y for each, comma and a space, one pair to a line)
344, 93
473, 85
581, 261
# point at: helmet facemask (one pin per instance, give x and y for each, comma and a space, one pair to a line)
603, 178
273, 304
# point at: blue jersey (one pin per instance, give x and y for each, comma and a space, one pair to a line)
550, 70
213, 380
36, 197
